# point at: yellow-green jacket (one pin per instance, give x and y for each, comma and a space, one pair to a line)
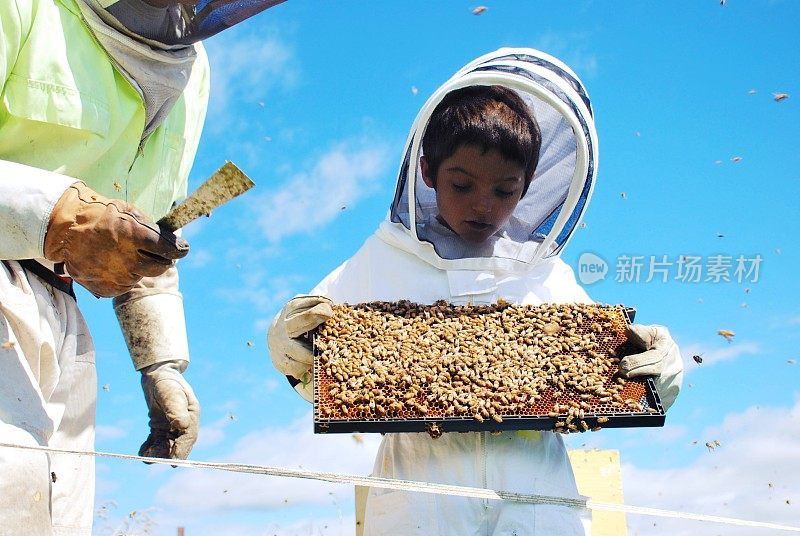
67, 113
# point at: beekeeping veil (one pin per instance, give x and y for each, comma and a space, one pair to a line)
152, 41
545, 218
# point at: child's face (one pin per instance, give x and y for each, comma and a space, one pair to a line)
476, 192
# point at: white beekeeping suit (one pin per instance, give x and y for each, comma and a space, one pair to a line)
412, 256
102, 103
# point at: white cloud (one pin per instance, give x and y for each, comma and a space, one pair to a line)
750, 475
294, 446
105, 484
266, 292
714, 356
572, 48
245, 67
109, 433
198, 259
214, 433
343, 176
272, 525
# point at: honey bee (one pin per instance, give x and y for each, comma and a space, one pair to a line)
53, 476
710, 445
726, 333
478, 10
780, 96
434, 430
698, 358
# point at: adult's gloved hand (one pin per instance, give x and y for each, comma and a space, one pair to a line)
107, 245
660, 357
173, 409
290, 354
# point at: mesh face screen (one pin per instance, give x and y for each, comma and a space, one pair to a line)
487, 366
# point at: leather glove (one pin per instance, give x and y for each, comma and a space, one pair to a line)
290, 354
661, 358
107, 245
173, 409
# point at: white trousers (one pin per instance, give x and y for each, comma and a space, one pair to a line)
47, 397
522, 462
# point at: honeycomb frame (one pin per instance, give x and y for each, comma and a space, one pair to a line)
558, 407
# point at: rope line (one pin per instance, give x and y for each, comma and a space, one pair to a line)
416, 486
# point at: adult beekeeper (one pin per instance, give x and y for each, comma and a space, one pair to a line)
475, 219
102, 106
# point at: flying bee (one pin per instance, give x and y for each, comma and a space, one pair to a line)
726, 333
698, 358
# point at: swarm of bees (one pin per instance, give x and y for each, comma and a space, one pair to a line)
400, 360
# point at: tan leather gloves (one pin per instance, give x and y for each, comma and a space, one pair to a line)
107, 245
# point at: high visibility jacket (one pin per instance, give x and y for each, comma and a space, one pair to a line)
66, 113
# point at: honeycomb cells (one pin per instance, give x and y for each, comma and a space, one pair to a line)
390, 361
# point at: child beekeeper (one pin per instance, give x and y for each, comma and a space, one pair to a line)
497, 171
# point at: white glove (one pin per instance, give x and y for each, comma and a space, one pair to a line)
291, 355
661, 359
173, 409
152, 321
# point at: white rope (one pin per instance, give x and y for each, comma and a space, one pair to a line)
423, 487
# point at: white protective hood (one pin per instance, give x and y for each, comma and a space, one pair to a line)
548, 214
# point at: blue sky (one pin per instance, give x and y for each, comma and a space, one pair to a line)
314, 100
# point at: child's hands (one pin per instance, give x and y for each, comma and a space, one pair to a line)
660, 358
291, 354
657, 345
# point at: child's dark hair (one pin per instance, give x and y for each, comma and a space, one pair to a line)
489, 117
